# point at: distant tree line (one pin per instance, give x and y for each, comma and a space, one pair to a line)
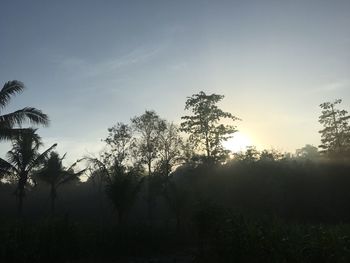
143, 156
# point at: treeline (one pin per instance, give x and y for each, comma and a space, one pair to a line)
157, 175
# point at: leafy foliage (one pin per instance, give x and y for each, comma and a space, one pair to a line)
10, 120
122, 190
148, 126
170, 145
55, 174
335, 136
204, 125
23, 159
120, 141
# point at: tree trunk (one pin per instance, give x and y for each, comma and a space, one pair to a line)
149, 193
149, 201
53, 199
207, 147
336, 129
21, 192
149, 167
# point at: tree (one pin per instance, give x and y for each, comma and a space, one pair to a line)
17, 118
309, 152
250, 155
204, 125
335, 136
270, 155
115, 171
148, 125
122, 190
170, 145
121, 185
23, 159
119, 142
55, 174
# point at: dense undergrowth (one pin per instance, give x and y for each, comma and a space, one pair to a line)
271, 211
217, 236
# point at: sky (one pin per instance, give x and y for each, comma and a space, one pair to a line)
91, 64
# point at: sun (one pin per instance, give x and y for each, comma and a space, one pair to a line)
238, 143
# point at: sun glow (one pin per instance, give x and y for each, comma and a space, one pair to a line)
239, 142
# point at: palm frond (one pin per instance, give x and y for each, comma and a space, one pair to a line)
41, 158
99, 165
6, 168
33, 115
14, 159
9, 134
9, 89
69, 176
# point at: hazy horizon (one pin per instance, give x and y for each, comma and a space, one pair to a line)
91, 64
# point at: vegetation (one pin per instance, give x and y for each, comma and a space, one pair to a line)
154, 194
335, 136
10, 120
55, 174
203, 126
23, 159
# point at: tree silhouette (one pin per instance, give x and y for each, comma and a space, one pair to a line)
23, 159
309, 152
122, 190
121, 184
55, 174
148, 126
120, 177
335, 136
17, 118
170, 146
120, 142
251, 154
204, 125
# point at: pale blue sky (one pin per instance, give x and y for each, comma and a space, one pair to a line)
90, 64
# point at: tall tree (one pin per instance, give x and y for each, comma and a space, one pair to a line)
148, 126
170, 146
23, 159
335, 135
116, 172
122, 189
55, 174
121, 184
204, 125
119, 142
9, 121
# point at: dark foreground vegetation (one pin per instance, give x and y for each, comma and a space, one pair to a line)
155, 195
283, 211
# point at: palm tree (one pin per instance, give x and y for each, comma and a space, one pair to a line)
17, 118
122, 190
55, 174
122, 184
22, 160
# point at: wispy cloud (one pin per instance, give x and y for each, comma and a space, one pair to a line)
86, 68
331, 86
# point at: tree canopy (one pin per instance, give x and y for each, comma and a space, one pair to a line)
9, 121
205, 128
335, 135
